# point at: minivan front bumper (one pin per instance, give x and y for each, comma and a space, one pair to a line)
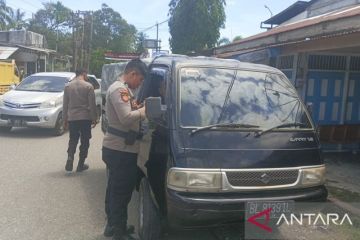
189, 210
37, 117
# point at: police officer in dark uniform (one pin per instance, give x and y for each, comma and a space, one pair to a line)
79, 113
121, 146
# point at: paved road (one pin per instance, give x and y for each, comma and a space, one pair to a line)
39, 201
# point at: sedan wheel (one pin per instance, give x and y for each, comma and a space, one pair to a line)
59, 127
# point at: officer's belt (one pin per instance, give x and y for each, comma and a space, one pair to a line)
116, 132
120, 133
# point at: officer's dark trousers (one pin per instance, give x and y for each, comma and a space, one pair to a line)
79, 129
122, 177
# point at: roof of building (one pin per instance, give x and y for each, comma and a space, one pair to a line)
290, 12
349, 12
36, 49
6, 52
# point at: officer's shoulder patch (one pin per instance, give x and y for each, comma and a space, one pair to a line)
124, 93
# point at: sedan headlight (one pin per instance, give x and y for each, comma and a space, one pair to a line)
194, 181
313, 176
51, 103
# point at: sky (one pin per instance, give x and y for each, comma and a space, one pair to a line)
243, 17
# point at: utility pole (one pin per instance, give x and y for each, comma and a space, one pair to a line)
82, 37
157, 37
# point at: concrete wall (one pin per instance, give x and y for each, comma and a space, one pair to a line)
22, 37
324, 6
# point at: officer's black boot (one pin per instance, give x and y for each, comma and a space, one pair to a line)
120, 234
81, 165
109, 230
69, 163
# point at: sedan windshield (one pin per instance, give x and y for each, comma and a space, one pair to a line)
43, 84
215, 96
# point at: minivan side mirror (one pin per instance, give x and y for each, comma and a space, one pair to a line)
153, 108
12, 86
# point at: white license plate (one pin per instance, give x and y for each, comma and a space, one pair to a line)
17, 123
277, 208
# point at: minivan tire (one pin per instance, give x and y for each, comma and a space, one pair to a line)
149, 224
59, 126
5, 129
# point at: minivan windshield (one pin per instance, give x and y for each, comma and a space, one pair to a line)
223, 96
43, 84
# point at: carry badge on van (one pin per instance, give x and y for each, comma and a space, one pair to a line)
124, 95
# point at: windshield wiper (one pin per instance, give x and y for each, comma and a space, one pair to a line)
225, 125
283, 125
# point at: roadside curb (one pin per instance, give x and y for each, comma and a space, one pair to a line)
345, 206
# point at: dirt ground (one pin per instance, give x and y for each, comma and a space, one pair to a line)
343, 176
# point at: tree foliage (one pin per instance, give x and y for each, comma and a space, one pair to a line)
195, 25
140, 41
223, 41
5, 15
112, 32
237, 38
100, 31
17, 20
54, 21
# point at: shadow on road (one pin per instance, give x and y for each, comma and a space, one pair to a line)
28, 133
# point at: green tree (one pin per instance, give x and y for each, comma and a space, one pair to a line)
17, 19
195, 25
223, 41
139, 42
112, 32
237, 38
54, 21
97, 61
5, 17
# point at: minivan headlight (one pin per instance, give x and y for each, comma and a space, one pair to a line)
194, 181
48, 104
52, 103
313, 176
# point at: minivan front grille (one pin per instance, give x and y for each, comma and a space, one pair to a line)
262, 178
22, 118
21, 106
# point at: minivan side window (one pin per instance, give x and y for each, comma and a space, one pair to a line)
155, 85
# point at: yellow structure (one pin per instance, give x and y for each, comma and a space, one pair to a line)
9, 75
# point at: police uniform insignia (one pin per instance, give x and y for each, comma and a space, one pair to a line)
124, 95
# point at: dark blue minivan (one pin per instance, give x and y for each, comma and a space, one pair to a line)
221, 133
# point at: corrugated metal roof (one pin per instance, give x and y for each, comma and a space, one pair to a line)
332, 16
243, 51
6, 52
292, 11
45, 50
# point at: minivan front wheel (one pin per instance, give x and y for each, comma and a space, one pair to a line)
59, 126
149, 217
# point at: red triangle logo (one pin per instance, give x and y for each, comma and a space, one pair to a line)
266, 212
